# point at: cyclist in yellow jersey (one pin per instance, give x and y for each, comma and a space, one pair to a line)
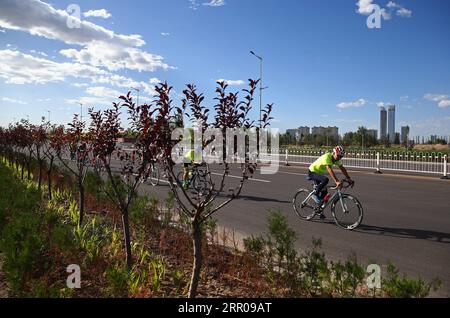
325, 164
190, 158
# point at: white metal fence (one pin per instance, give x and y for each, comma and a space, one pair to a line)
433, 163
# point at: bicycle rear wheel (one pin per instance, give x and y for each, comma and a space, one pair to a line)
180, 179
201, 183
154, 176
304, 206
347, 212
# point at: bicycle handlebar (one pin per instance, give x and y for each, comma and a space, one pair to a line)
344, 181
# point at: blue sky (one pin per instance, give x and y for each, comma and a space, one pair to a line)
322, 64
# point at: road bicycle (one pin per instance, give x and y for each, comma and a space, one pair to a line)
154, 175
347, 211
198, 179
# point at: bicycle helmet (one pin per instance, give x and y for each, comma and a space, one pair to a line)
339, 151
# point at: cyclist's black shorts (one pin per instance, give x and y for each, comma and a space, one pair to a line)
186, 165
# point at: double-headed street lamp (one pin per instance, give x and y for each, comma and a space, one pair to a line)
260, 84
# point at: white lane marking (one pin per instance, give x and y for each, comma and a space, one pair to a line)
251, 179
293, 173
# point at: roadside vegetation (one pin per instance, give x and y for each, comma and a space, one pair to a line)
40, 237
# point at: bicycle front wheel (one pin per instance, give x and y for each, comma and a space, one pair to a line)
303, 204
347, 212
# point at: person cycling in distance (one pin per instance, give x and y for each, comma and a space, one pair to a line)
325, 164
192, 157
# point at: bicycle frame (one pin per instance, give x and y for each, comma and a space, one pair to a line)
330, 200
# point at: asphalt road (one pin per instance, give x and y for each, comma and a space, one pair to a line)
406, 219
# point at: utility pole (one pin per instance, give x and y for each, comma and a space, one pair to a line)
260, 84
81, 111
137, 90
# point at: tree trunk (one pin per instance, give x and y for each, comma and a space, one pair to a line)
49, 175
197, 265
22, 172
28, 170
81, 202
40, 176
127, 239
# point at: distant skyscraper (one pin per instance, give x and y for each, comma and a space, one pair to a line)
391, 123
404, 134
373, 133
383, 123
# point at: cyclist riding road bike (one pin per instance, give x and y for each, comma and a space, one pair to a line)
323, 164
192, 157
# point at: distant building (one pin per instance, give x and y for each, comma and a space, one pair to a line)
326, 131
303, 132
383, 123
404, 133
298, 133
396, 138
391, 123
373, 133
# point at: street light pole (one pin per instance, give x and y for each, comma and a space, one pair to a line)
81, 111
48, 116
260, 84
137, 90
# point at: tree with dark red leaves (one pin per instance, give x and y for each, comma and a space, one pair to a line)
39, 139
230, 114
134, 164
76, 143
55, 142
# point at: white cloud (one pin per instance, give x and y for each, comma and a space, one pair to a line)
358, 103
90, 101
232, 82
215, 3
20, 68
404, 98
2, 31
444, 103
44, 99
38, 52
404, 13
193, 4
14, 101
165, 33
442, 100
102, 91
79, 84
102, 13
435, 97
116, 57
101, 46
366, 7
